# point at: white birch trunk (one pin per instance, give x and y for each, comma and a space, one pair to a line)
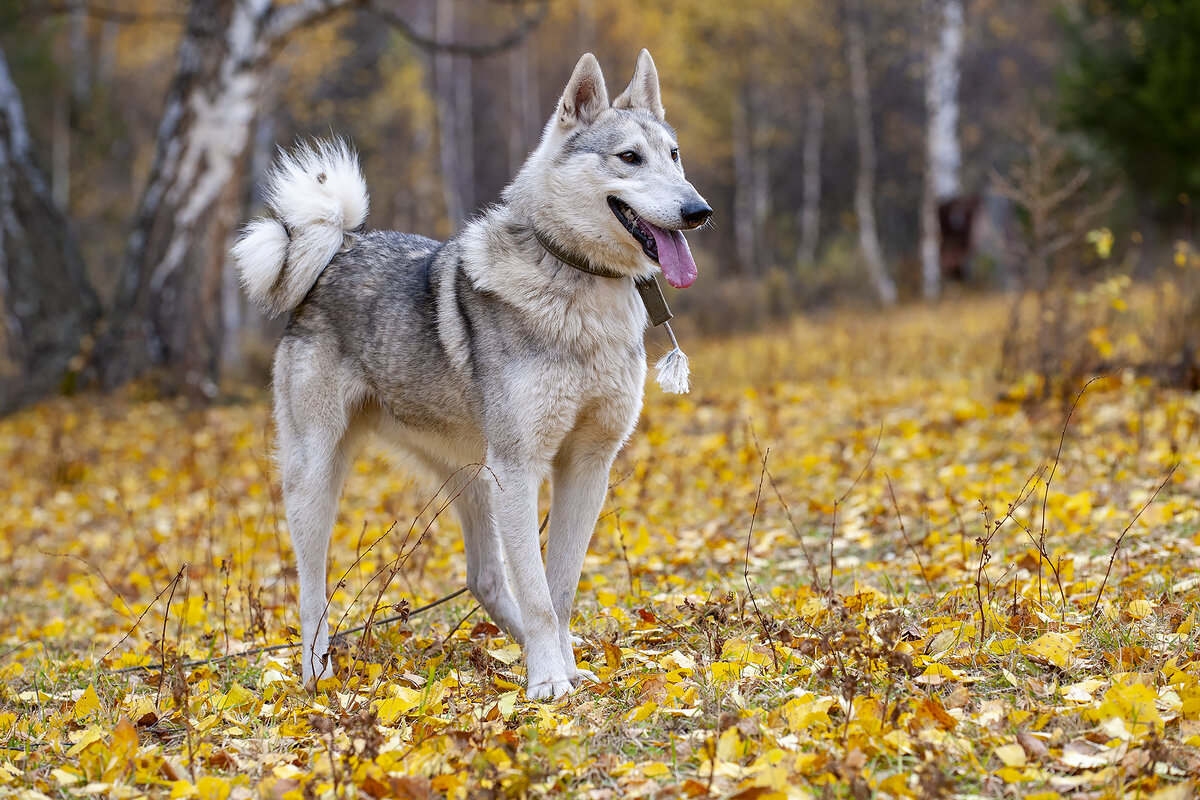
864, 188
810, 208
943, 150
168, 308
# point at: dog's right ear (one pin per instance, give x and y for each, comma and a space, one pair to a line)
643, 91
585, 96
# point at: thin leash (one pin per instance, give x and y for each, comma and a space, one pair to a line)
287, 645
274, 648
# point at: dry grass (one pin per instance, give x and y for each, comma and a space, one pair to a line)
886, 654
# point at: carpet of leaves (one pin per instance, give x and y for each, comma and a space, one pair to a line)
849, 563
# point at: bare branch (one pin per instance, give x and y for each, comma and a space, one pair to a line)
1054, 199
282, 21
527, 23
107, 14
1117, 545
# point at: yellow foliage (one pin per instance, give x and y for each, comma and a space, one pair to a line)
88, 704
864, 648
1051, 648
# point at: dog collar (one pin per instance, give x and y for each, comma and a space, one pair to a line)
647, 287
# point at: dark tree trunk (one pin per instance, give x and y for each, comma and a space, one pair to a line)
46, 303
810, 209
452, 92
525, 115
167, 312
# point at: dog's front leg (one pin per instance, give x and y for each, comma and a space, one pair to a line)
516, 515
579, 486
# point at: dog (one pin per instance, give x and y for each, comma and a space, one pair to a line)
517, 344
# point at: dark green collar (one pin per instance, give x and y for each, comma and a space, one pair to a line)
580, 263
647, 287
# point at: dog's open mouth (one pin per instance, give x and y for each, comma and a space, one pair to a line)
666, 248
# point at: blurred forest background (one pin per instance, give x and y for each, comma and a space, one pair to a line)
863, 151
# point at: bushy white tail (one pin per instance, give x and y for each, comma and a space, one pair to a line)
317, 194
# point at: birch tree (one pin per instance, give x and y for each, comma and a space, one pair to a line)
864, 187
167, 311
943, 151
167, 308
46, 303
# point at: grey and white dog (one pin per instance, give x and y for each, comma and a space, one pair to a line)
516, 344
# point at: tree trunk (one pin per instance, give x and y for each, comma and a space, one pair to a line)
751, 192
452, 90
943, 151
60, 148
464, 132
864, 188
167, 313
525, 117
81, 78
46, 303
760, 173
744, 228
810, 208
587, 26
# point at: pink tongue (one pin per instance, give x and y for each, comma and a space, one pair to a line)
674, 257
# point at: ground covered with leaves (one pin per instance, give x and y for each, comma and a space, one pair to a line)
850, 562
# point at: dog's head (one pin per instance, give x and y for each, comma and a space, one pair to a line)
607, 179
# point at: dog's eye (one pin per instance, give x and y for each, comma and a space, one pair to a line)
630, 157
674, 153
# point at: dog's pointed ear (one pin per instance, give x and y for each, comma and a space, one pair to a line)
585, 96
642, 92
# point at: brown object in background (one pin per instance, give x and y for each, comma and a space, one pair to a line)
956, 218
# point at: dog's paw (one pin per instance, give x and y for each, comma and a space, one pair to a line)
582, 675
576, 641
312, 684
549, 690
317, 669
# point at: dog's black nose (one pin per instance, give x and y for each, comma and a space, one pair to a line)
695, 214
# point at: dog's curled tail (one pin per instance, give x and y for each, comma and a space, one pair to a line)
317, 195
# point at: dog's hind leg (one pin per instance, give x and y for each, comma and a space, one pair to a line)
486, 576
471, 490
579, 485
316, 442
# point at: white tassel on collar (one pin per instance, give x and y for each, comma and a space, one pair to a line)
672, 369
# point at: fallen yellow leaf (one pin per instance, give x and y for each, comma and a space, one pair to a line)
87, 704
1050, 648
1011, 755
